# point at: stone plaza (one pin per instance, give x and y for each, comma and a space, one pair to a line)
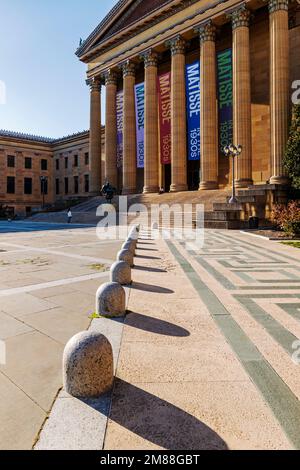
205, 358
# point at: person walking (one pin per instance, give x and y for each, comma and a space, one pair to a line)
69, 216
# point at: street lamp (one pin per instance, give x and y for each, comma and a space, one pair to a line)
44, 180
233, 151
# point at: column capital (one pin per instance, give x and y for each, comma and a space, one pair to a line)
240, 17
177, 45
276, 5
128, 69
150, 58
110, 77
95, 84
207, 32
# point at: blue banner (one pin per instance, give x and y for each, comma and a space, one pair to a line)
225, 95
140, 123
193, 109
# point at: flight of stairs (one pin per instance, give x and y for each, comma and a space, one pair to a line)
256, 201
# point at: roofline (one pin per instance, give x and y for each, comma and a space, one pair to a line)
81, 49
40, 139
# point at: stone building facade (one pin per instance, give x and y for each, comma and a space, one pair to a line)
246, 100
38, 171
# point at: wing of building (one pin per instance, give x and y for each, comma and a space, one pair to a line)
183, 79
39, 171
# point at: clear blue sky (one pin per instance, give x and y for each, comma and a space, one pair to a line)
45, 81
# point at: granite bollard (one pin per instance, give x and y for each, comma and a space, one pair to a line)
127, 256
111, 300
88, 365
120, 272
129, 245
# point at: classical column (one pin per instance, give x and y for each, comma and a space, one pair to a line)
95, 136
111, 171
178, 116
280, 90
151, 173
242, 133
129, 130
209, 118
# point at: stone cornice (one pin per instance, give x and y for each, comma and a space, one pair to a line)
177, 45
141, 26
240, 17
39, 139
207, 32
150, 58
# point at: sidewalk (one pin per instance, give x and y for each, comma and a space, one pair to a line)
204, 360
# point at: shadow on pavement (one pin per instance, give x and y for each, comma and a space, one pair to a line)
151, 288
159, 422
155, 325
151, 270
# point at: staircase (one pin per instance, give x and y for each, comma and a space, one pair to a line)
256, 201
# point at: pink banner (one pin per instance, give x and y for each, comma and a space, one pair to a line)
120, 129
164, 99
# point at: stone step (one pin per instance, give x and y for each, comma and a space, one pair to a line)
225, 225
222, 215
225, 206
244, 199
251, 192
268, 187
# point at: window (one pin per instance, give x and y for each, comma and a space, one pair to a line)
66, 163
75, 160
44, 185
66, 185
28, 211
57, 163
10, 185
57, 186
28, 163
76, 184
10, 161
86, 158
27, 185
86, 183
44, 165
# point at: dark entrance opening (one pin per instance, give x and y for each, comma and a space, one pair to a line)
193, 169
167, 177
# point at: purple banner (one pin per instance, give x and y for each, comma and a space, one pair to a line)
140, 123
164, 101
120, 129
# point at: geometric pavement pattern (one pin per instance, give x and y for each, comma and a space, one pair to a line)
254, 297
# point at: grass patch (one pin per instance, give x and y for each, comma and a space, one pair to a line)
100, 268
294, 244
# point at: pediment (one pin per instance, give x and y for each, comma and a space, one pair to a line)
123, 15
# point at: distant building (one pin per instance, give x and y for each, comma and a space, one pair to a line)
39, 171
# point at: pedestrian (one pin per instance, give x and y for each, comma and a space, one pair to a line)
69, 216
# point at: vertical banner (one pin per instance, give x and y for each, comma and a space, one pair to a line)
225, 96
164, 100
120, 129
192, 76
140, 123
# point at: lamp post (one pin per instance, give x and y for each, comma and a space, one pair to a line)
234, 152
43, 183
